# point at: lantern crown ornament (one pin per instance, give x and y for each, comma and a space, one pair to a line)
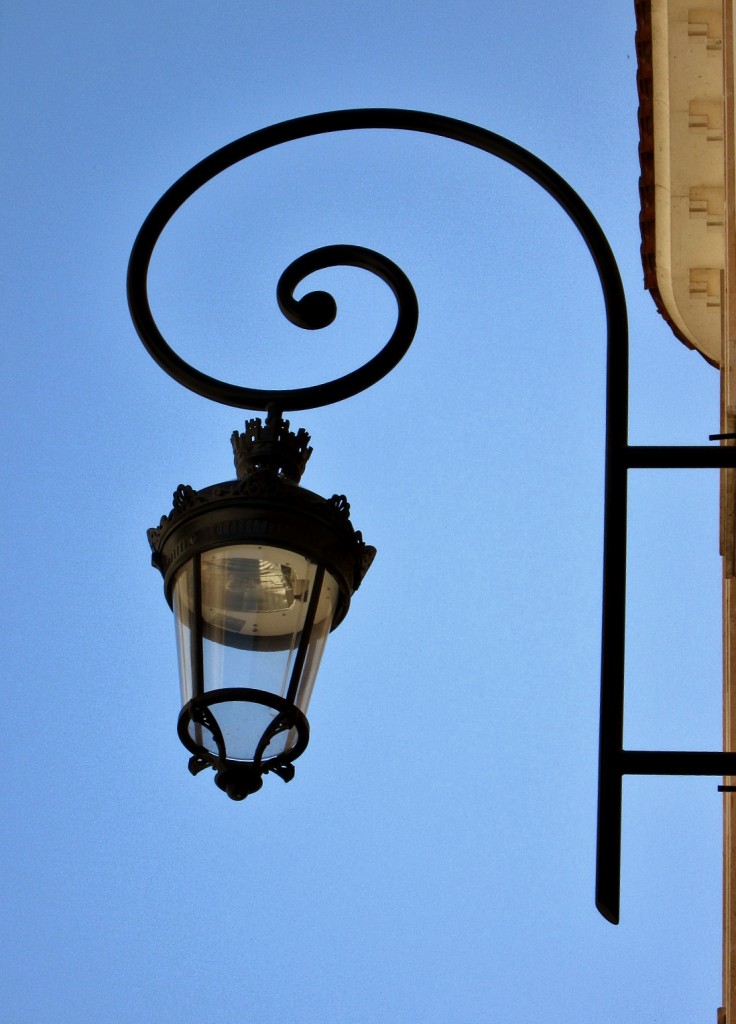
271, 445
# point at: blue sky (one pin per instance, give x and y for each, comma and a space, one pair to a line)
433, 859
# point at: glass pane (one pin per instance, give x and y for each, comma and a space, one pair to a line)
243, 725
320, 631
183, 602
202, 736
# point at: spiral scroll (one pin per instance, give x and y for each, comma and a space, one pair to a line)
317, 309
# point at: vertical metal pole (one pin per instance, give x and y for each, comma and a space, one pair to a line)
610, 778
613, 637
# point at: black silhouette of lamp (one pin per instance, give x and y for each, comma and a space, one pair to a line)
259, 570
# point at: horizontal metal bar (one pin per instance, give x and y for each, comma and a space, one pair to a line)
677, 762
679, 457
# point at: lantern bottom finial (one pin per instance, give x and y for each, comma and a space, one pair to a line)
240, 780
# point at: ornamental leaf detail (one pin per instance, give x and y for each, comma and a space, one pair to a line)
284, 769
340, 504
198, 764
366, 554
184, 496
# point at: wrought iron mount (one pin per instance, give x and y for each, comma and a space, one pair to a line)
317, 309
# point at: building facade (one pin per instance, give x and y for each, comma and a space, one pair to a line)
685, 54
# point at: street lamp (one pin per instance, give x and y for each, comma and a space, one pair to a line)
259, 570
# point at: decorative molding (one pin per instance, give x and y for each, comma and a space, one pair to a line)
707, 23
705, 283
706, 116
707, 202
682, 158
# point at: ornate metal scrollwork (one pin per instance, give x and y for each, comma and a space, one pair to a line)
317, 308
313, 311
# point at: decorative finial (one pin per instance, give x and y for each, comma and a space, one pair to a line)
271, 445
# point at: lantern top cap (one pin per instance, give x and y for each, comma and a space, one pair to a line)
271, 445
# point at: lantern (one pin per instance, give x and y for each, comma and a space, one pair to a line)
258, 571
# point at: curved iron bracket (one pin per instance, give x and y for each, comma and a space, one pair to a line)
318, 309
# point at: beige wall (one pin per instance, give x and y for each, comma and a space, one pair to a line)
688, 154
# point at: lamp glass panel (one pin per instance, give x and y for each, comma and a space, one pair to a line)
183, 617
242, 622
